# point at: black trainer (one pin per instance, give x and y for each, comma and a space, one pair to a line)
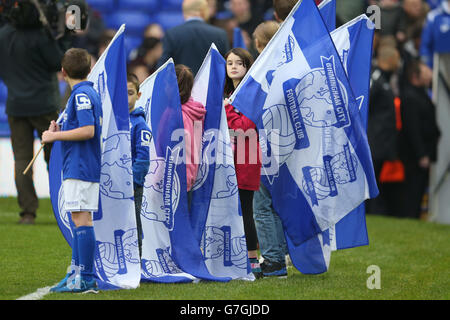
273, 269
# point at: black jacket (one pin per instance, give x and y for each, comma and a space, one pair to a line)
189, 43
420, 132
381, 127
29, 60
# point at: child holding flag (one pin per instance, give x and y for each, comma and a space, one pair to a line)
141, 137
247, 154
268, 225
80, 134
193, 121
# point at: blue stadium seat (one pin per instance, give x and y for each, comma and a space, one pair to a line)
131, 43
3, 92
170, 19
102, 5
4, 126
135, 21
151, 6
172, 4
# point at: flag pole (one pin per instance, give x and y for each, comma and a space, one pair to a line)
33, 160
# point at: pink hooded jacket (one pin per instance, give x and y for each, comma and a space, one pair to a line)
193, 119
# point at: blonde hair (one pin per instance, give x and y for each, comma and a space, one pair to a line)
265, 31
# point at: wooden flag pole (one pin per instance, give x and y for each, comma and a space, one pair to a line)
34, 159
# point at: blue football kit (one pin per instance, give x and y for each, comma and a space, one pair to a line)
82, 159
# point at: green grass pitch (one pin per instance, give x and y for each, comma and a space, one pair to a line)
413, 257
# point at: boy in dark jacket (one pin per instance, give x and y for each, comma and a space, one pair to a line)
140, 148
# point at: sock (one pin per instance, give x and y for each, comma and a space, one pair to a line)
75, 256
254, 263
86, 250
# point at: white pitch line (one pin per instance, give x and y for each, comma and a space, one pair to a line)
38, 294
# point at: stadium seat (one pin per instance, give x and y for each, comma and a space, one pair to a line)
135, 21
131, 43
172, 4
4, 126
3, 92
169, 19
151, 6
103, 5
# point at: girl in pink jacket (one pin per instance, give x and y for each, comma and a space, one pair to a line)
193, 119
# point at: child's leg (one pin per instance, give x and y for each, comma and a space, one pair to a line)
138, 192
86, 243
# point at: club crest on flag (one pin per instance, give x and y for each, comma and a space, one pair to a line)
215, 212
316, 150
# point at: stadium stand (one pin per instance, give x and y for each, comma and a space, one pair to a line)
4, 127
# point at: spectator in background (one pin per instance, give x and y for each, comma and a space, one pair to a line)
247, 20
413, 17
382, 131
391, 13
140, 70
212, 4
30, 59
390, 41
434, 3
347, 10
282, 8
154, 30
189, 42
148, 54
263, 33
90, 37
436, 33
104, 41
419, 135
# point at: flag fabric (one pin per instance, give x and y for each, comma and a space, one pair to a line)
327, 10
238, 39
117, 263
316, 159
354, 44
170, 252
215, 211
355, 48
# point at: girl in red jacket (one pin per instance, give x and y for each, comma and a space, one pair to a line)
245, 144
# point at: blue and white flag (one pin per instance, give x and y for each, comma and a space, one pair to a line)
327, 10
117, 263
170, 252
238, 39
316, 158
354, 43
215, 211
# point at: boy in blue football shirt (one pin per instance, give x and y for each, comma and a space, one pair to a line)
80, 134
140, 148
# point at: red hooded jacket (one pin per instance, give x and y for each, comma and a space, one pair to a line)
247, 157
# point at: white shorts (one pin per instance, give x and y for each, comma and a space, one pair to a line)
80, 195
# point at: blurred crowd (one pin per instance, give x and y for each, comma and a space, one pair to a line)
402, 128
402, 146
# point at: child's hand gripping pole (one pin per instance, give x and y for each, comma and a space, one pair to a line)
40, 149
